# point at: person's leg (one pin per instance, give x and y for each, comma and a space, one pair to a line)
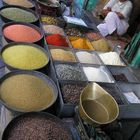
111, 23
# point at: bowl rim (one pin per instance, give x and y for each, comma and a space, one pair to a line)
36, 74
27, 45
39, 30
105, 93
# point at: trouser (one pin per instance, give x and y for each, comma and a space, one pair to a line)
112, 23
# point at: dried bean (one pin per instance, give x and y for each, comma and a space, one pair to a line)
35, 127
71, 92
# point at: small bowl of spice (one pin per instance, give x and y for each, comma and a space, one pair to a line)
37, 126
26, 32
24, 3
24, 56
18, 14
26, 91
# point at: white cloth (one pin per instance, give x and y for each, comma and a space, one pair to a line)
112, 22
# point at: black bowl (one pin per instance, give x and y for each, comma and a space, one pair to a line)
29, 44
5, 19
39, 41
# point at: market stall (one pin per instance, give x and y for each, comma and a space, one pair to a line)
60, 79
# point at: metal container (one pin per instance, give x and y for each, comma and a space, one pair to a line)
32, 7
101, 73
5, 19
38, 115
39, 41
33, 73
97, 107
49, 8
21, 43
118, 70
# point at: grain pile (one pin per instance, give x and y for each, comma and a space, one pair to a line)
17, 14
25, 57
52, 29
69, 72
22, 33
39, 127
62, 55
26, 93
24, 3
71, 92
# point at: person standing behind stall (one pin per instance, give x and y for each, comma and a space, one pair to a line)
116, 13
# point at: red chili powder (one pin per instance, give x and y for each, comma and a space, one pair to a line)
56, 40
21, 33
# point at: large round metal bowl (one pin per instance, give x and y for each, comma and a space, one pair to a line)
36, 74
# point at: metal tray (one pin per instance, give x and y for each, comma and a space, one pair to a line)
116, 70
110, 78
131, 111
67, 109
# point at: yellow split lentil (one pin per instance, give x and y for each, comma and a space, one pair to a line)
24, 92
24, 57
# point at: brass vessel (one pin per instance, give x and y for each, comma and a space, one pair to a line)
97, 106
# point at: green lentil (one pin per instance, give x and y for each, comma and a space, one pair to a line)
17, 14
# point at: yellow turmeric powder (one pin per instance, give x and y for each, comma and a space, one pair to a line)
80, 43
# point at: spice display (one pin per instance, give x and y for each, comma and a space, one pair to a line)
120, 77
25, 57
38, 127
24, 3
71, 92
69, 72
49, 20
62, 55
86, 57
26, 92
80, 43
115, 59
56, 40
52, 29
74, 32
93, 36
101, 45
21, 33
17, 14
97, 74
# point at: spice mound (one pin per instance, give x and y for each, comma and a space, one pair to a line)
62, 55
25, 57
71, 92
21, 33
74, 32
80, 43
52, 29
56, 40
86, 57
111, 58
49, 20
17, 14
24, 3
69, 72
38, 127
26, 93
97, 74
101, 45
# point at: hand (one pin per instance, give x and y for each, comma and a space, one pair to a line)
106, 11
120, 15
